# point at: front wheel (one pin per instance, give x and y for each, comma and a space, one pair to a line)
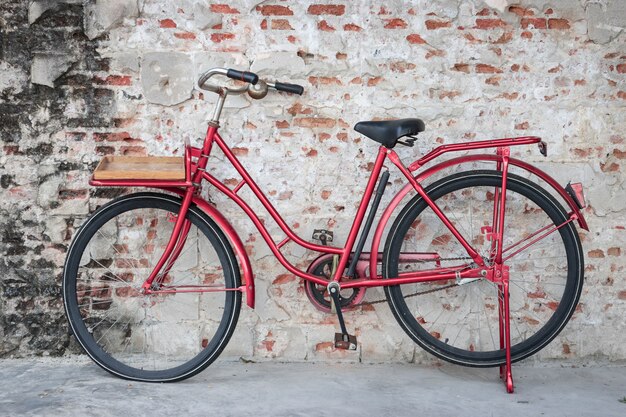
161, 337
458, 320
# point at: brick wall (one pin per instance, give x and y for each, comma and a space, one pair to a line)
82, 81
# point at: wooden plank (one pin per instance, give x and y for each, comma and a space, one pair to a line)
141, 168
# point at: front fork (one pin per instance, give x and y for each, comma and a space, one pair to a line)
174, 246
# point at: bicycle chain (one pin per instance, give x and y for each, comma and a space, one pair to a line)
369, 303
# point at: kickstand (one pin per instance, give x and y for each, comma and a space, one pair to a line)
343, 340
506, 373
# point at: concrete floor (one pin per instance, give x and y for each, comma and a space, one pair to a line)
75, 386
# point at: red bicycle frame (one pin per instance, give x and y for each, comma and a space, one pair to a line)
196, 160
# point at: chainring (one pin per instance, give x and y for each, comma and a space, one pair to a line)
318, 294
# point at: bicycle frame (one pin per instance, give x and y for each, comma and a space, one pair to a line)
196, 160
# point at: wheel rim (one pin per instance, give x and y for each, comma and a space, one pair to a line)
460, 322
157, 336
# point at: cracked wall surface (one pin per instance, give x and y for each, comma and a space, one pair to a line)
80, 80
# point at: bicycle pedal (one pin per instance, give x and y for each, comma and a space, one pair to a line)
345, 341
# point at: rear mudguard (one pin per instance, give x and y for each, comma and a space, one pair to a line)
457, 161
233, 237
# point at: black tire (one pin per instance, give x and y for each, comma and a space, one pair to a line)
544, 289
153, 338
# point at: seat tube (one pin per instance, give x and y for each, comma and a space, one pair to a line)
358, 220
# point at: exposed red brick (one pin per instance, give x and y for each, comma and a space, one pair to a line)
185, 35
527, 35
298, 108
548, 11
536, 22
489, 23
105, 150
324, 81
596, 253
521, 11
437, 24
264, 24
487, 69
219, 37
114, 80
395, 24
274, 10
484, 12
615, 251
373, 81
238, 151
401, 66
167, 23
313, 122
282, 124
311, 153
324, 26
504, 38
111, 136
622, 295
323, 136
66, 194
471, 38
332, 9
341, 55
133, 150
414, 38
522, 126
268, 344
328, 345
283, 279
449, 94
291, 39
609, 167
495, 80
281, 24
461, 68
351, 27
223, 8
435, 52
558, 24
619, 154
621, 68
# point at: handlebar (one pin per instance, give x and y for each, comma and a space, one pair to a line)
246, 76
255, 87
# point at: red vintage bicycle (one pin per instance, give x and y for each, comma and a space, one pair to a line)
480, 268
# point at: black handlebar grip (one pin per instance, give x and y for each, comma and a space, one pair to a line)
246, 76
289, 88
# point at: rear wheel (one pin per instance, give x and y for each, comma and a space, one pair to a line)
161, 337
459, 320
